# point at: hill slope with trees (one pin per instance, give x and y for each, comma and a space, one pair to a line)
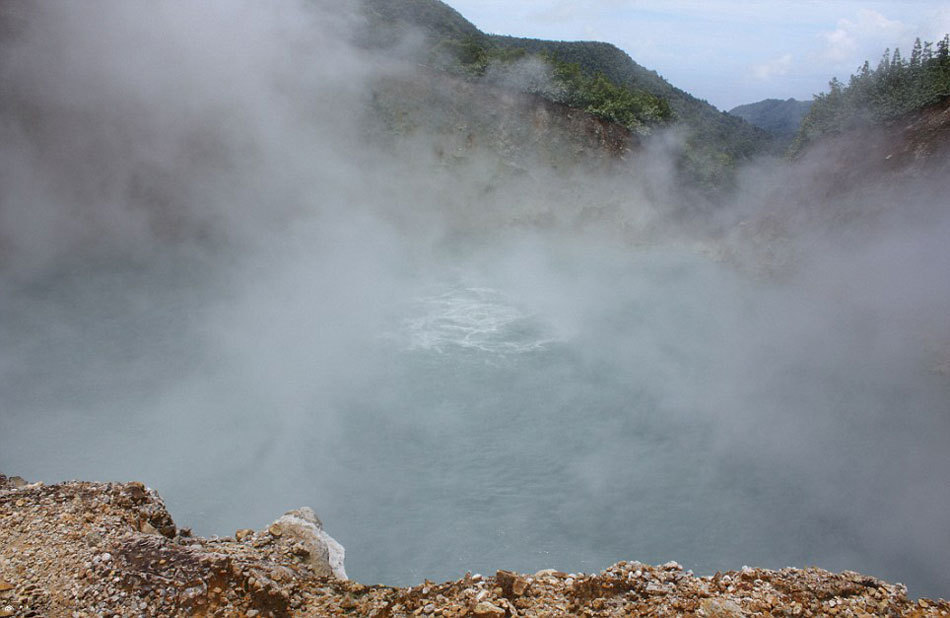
776, 116
895, 88
594, 76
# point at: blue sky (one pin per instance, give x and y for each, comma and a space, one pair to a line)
728, 52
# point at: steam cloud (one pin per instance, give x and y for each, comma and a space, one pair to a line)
212, 250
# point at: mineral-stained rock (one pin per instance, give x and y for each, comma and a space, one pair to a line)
720, 608
148, 528
242, 534
303, 532
78, 549
488, 610
511, 584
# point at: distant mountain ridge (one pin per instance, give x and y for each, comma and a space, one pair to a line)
782, 118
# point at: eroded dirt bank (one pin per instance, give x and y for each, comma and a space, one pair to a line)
111, 549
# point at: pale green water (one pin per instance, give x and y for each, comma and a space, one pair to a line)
566, 416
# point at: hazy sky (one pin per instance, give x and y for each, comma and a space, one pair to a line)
728, 52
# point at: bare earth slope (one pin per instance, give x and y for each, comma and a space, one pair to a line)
111, 549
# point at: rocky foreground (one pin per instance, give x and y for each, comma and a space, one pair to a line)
111, 549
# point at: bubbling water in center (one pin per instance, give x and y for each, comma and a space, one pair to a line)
477, 319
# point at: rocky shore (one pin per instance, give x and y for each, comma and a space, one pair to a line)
112, 549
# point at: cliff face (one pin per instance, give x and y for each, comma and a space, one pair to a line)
91, 549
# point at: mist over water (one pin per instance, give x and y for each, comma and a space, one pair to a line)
216, 282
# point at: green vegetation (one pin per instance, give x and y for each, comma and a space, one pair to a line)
596, 77
598, 95
706, 123
593, 57
471, 56
781, 118
566, 82
715, 142
435, 18
896, 87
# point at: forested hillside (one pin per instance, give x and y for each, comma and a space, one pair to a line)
436, 19
715, 140
896, 87
454, 44
596, 77
781, 118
